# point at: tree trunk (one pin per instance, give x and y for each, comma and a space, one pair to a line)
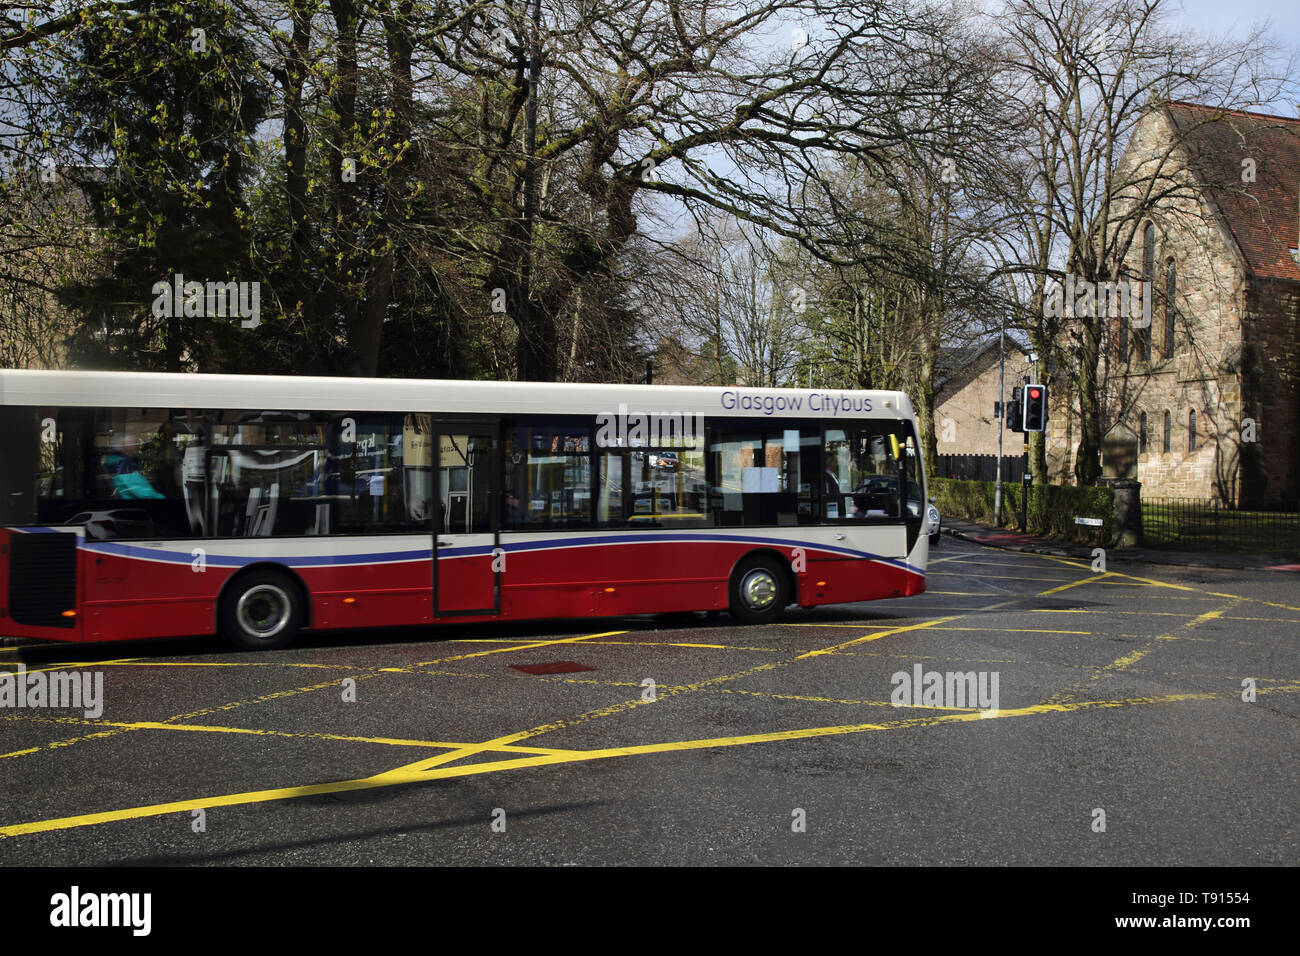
347, 296
295, 166
1087, 464
368, 328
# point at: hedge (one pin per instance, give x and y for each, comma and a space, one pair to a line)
1052, 508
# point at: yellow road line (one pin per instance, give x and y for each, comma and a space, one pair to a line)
805, 698
993, 564
70, 666
934, 561
529, 646
910, 627
55, 745
719, 647
1075, 584
144, 663
392, 778
1010, 630
990, 630
500, 742
346, 738
261, 732
661, 694
875, 637
276, 695
996, 577
1180, 587
1128, 660
860, 626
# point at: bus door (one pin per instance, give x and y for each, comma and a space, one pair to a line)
465, 523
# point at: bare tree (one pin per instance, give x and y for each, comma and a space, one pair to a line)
1081, 72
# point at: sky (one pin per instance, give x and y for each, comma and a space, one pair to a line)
1216, 16
1236, 17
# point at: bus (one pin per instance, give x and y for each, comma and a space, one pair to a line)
140, 505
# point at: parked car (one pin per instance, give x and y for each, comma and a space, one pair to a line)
935, 522
117, 523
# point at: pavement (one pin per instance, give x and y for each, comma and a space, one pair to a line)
1032, 544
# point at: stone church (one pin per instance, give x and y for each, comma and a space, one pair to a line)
1204, 374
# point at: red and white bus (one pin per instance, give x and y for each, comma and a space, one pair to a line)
137, 505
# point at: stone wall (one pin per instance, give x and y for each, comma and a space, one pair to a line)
963, 408
1270, 362
1203, 373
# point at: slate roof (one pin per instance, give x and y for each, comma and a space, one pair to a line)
1263, 216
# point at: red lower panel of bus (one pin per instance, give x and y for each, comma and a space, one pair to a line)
122, 595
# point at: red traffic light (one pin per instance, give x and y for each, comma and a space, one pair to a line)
1035, 393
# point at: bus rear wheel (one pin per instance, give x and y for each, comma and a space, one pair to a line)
261, 611
758, 591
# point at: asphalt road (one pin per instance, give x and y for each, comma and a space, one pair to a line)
1120, 735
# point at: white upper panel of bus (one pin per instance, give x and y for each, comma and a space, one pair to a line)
275, 392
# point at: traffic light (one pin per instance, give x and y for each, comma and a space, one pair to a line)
1015, 415
1035, 403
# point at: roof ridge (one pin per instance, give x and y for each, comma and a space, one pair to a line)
1226, 111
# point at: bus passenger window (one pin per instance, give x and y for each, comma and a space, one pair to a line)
863, 473
761, 475
546, 468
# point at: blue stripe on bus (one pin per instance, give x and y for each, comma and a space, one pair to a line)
424, 554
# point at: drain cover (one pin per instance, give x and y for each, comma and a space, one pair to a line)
555, 667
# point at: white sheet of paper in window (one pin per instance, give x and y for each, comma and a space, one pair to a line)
758, 480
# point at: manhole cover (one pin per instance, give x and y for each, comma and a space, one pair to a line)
555, 667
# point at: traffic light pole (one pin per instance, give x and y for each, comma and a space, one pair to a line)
1002, 414
1026, 482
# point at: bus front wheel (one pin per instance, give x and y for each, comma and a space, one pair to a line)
758, 591
261, 611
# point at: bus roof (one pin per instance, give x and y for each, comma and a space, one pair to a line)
266, 392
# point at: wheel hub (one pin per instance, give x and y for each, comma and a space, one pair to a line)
263, 610
758, 589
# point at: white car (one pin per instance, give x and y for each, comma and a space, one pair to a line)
118, 523
935, 523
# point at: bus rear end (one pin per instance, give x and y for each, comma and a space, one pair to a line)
38, 566
39, 575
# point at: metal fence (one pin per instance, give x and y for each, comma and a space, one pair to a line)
979, 467
1202, 523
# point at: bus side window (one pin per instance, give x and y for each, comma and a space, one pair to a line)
760, 474
548, 467
863, 473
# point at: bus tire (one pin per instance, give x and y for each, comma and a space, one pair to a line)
758, 591
261, 610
